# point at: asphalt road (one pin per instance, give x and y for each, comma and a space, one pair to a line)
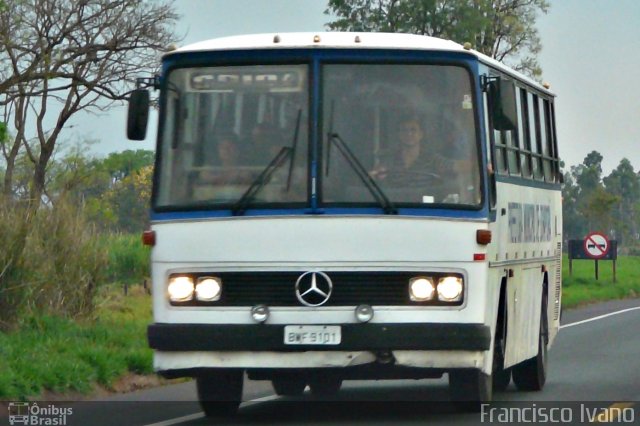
594, 369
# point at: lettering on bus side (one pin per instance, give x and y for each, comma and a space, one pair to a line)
529, 223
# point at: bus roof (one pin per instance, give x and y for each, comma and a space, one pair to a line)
348, 40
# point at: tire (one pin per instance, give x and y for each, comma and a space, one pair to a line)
325, 386
501, 376
469, 389
220, 392
288, 385
531, 374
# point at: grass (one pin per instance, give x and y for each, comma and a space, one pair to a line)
61, 355
582, 287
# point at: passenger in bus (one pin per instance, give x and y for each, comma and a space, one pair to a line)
226, 163
264, 144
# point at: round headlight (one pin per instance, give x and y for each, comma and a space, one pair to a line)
421, 289
180, 289
208, 289
450, 289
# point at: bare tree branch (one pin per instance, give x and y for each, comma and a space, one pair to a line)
82, 55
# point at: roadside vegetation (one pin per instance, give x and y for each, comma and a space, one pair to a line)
48, 353
582, 288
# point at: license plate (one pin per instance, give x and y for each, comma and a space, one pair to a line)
312, 335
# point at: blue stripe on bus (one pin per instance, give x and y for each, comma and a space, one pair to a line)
336, 211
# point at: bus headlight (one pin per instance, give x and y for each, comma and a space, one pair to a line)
180, 289
421, 289
208, 289
450, 289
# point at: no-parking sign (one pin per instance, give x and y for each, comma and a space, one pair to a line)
596, 245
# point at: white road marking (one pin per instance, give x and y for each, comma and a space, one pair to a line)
200, 415
263, 399
178, 420
600, 317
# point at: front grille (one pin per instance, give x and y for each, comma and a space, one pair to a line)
349, 289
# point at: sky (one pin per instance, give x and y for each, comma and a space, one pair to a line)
590, 56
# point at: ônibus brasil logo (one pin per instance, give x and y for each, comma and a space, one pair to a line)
31, 413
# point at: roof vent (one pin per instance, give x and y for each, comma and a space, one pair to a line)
467, 46
276, 39
357, 40
316, 38
546, 85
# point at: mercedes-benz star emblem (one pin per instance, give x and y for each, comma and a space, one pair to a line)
313, 288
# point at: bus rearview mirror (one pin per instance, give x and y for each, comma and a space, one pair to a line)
502, 94
138, 114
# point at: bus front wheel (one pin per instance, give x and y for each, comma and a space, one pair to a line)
220, 392
531, 374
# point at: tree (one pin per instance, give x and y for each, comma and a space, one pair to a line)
129, 199
502, 29
122, 164
588, 175
115, 190
574, 223
597, 208
624, 183
59, 57
81, 55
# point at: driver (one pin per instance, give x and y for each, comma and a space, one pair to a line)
412, 165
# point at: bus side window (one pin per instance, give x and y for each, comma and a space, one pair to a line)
524, 156
534, 131
528, 163
502, 99
510, 135
547, 141
500, 151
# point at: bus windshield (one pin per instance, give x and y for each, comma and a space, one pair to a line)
236, 137
230, 131
411, 127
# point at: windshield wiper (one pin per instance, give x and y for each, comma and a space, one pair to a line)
367, 180
255, 187
240, 206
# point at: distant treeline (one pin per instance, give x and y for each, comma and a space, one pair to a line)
609, 204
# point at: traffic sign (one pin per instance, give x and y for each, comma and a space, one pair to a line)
596, 245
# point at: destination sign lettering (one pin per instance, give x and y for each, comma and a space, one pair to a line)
279, 79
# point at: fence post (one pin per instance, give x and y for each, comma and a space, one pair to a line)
570, 267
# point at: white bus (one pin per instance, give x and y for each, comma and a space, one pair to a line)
341, 206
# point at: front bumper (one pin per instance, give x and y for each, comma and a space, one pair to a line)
355, 337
